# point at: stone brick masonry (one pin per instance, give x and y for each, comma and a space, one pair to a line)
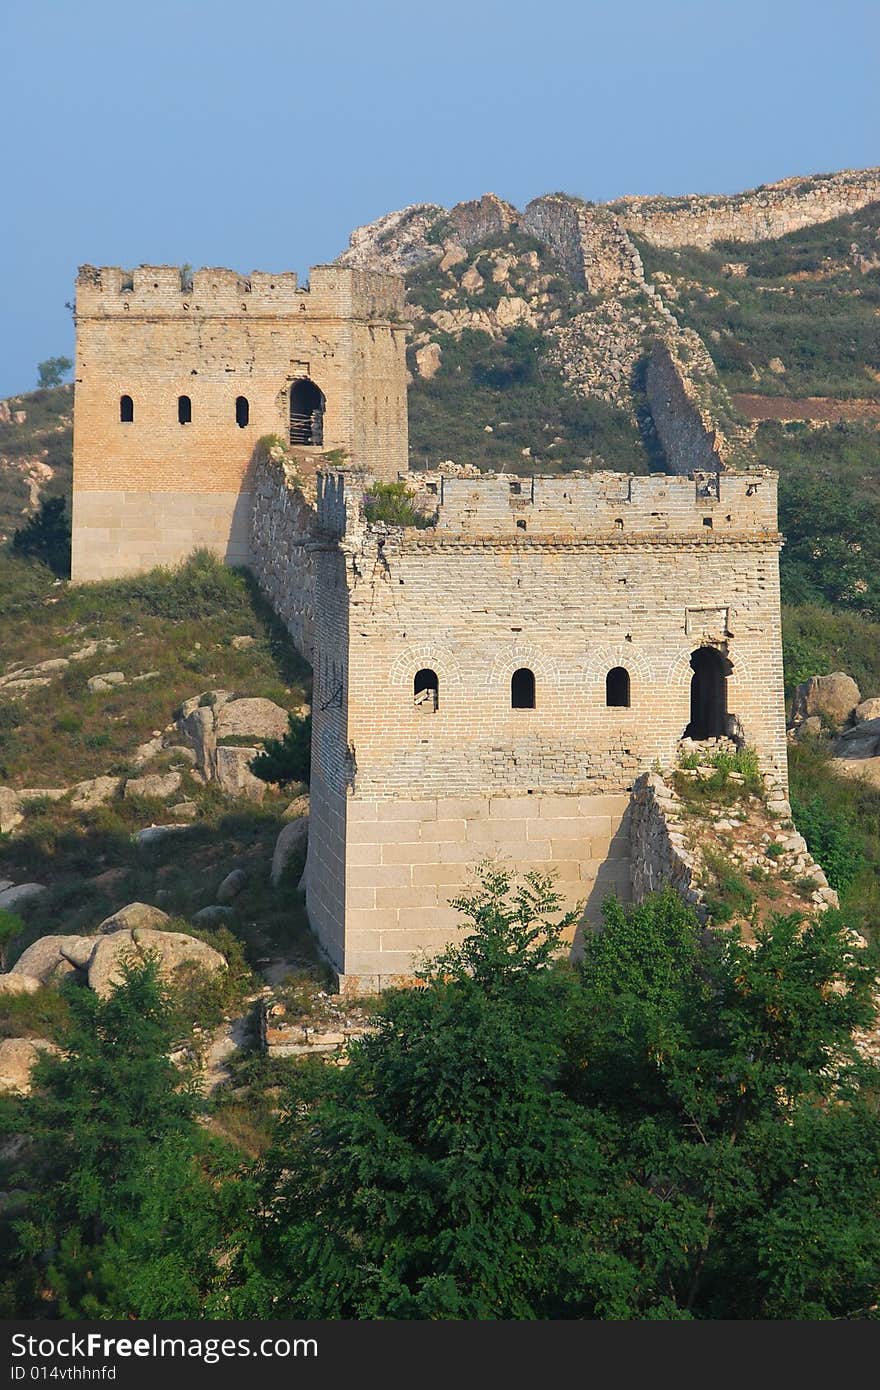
150, 490
568, 578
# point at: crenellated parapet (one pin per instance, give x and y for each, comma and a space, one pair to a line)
708, 506
167, 290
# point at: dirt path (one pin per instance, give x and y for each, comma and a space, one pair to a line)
824, 409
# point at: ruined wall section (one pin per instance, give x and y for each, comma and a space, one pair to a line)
759, 215
149, 491
588, 240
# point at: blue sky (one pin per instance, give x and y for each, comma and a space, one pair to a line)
257, 135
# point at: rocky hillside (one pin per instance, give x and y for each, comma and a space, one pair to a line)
566, 335
36, 440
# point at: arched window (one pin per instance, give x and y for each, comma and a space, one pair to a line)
617, 687
426, 690
708, 694
242, 411
306, 413
522, 689
126, 410
184, 410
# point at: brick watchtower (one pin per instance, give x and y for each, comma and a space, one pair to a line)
177, 378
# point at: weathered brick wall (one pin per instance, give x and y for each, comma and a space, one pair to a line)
418, 796
684, 426
588, 240
760, 215
152, 490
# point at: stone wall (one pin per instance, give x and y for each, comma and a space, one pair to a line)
660, 853
282, 545
588, 240
151, 490
684, 425
771, 211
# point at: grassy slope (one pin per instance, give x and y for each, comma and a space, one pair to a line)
181, 624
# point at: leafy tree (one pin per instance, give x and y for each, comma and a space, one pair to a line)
123, 1214
52, 371
46, 536
287, 759
677, 1128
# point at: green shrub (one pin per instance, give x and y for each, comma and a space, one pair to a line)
832, 840
394, 503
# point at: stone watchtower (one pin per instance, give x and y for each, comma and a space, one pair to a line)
177, 379
491, 686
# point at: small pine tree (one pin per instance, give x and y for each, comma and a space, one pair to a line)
46, 536
287, 759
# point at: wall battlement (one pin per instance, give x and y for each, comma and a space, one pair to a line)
719, 505
148, 290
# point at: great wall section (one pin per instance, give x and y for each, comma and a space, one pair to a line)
496, 681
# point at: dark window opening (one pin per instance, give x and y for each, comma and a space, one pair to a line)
242, 411
426, 690
708, 694
618, 523
126, 410
522, 689
184, 410
707, 521
617, 687
306, 413
521, 525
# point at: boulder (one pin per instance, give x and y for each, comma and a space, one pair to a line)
157, 784
87, 795
53, 958
868, 709
151, 834
131, 917
17, 1057
428, 359
15, 983
812, 727
22, 893
242, 643
106, 681
174, 949
185, 810
197, 727
834, 696
251, 719
145, 752
234, 776
42, 794
453, 254
291, 838
215, 915
861, 769
299, 806
207, 700
10, 810
231, 886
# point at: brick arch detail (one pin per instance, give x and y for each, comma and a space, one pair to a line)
515, 657
598, 663
427, 655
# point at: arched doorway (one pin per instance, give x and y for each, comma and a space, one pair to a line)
708, 694
306, 413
